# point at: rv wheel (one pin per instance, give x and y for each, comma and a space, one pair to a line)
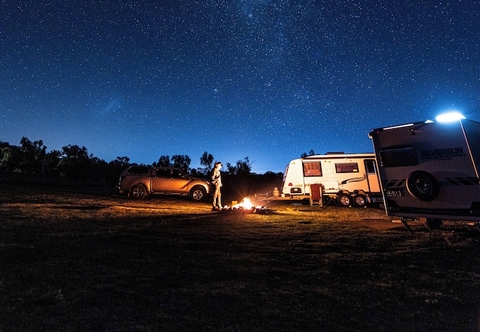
423, 186
360, 200
344, 200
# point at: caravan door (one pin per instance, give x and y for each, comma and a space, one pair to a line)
372, 176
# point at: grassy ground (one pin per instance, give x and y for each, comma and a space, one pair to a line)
79, 261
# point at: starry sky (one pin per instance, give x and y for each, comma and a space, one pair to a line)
263, 79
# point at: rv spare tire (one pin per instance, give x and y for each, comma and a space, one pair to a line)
423, 186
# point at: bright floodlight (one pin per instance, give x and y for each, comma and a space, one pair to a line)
450, 117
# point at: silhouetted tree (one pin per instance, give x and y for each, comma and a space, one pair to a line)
244, 167
33, 156
98, 169
10, 157
206, 160
310, 153
52, 159
163, 161
122, 162
115, 168
74, 162
241, 168
181, 161
238, 181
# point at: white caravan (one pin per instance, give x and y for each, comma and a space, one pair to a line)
429, 170
344, 178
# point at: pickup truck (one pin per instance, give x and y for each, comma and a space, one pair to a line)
140, 181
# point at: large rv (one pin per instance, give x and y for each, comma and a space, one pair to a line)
346, 179
430, 170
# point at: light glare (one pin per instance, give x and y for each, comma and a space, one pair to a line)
450, 117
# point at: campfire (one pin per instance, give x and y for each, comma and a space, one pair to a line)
246, 206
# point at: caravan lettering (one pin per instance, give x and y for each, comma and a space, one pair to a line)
442, 154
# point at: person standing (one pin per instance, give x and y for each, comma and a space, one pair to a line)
217, 182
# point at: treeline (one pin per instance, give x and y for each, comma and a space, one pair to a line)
75, 163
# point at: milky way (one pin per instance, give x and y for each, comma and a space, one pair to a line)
268, 80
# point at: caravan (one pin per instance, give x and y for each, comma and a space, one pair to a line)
344, 178
430, 170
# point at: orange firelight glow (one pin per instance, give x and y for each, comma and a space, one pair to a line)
245, 204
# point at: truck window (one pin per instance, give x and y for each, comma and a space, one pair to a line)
177, 173
346, 168
398, 157
138, 170
162, 173
312, 169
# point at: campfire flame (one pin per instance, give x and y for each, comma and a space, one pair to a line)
246, 206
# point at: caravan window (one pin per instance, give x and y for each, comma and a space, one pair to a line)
370, 166
398, 157
312, 169
346, 168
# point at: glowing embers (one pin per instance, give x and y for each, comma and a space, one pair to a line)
246, 206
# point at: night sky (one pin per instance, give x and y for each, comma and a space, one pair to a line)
263, 79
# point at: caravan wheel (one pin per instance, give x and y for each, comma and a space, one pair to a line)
423, 186
344, 200
360, 200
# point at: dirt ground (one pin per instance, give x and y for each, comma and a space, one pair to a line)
89, 260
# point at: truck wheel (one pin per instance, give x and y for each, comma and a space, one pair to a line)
344, 200
423, 186
197, 193
360, 200
138, 191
